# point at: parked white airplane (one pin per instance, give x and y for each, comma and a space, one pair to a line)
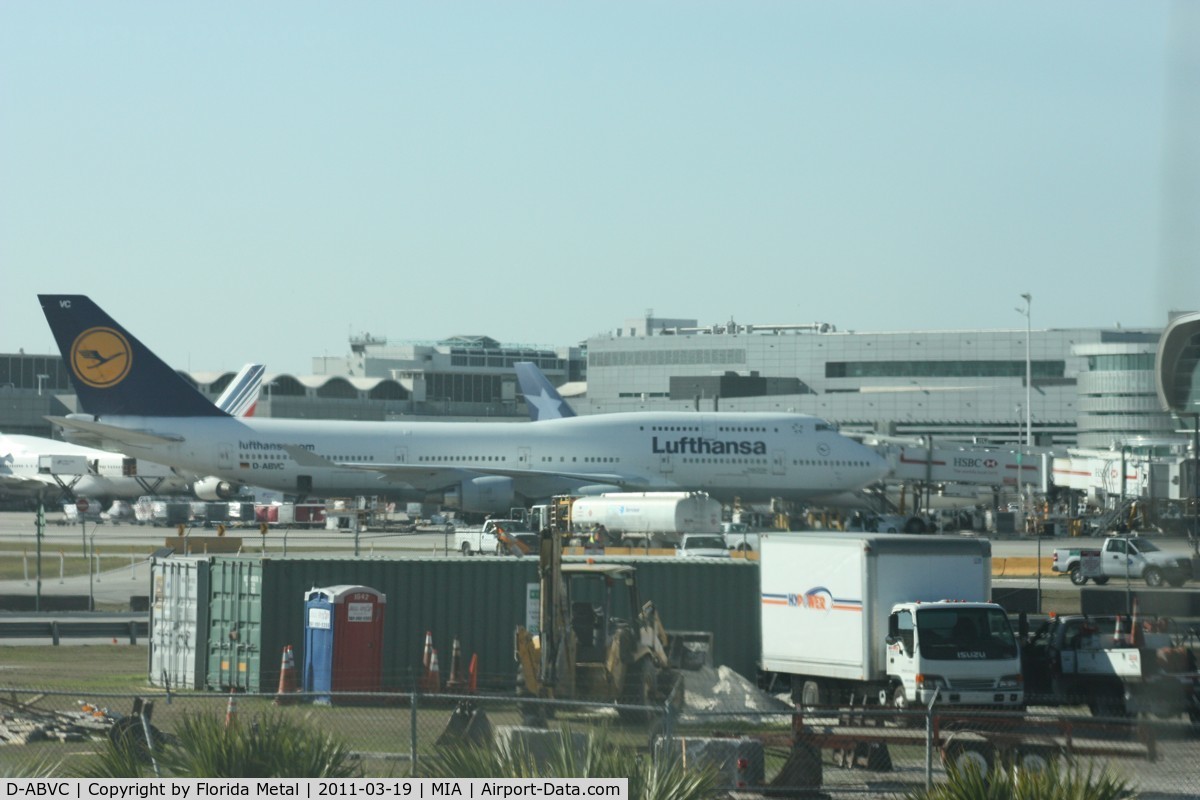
38, 468
136, 403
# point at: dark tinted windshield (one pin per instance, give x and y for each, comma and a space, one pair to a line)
707, 542
965, 633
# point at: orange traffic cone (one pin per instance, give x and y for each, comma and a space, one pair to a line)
1118, 633
428, 650
1135, 632
434, 677
454, 683
231, 710
287, 678
473, 674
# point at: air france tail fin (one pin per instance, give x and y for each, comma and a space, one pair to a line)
113, 373
541, 397
240, 397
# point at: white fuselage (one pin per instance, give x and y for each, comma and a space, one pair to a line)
746, 455
23, 462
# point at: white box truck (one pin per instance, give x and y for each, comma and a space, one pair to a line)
886, 618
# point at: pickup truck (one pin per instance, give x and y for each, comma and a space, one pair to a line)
1120, 556
1111, 667
497, 536
701, 545
738, 536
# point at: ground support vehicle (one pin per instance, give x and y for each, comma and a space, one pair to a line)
290, 515
595, 640
701, 545
738, 536
885, 618
1114, 666
633, 519
499, 536
1121, 557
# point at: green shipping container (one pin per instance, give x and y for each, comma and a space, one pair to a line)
257, 607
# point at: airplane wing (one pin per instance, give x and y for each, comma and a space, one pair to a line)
870, 438
110, 436
432, 476
19, 485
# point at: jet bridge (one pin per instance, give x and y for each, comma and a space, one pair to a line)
968, 464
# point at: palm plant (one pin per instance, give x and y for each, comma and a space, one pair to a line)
42, 768
122, 756
1052, 783
272, 747
203, 747
568, 756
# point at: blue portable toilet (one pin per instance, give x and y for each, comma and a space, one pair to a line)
343, 640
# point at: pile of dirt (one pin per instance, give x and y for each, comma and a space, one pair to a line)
722, 691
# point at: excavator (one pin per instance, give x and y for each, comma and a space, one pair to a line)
595, 640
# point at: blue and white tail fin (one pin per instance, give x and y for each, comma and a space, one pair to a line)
240, 397
542, 399
113, 373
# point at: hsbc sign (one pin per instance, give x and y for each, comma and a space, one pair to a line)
970, 462
979, 466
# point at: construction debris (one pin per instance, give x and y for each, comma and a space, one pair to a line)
65, 726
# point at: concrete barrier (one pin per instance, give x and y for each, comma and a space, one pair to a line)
203, 545
50, 602
1021, 567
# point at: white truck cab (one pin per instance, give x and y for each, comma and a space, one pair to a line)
966, 652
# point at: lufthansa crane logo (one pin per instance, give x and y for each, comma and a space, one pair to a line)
101, 357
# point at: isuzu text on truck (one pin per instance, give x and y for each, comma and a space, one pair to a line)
886, 618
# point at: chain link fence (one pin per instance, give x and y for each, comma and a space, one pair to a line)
867, 752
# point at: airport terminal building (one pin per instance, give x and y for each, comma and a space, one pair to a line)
1091, 387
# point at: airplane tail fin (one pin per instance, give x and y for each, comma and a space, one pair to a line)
541, 397
240, 397
113, 373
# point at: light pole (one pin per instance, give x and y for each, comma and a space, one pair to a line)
1028, 298
1028, 312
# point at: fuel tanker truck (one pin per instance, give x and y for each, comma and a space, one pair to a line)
640, 519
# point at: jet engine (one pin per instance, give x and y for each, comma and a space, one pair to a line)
593, 489
490, 494
212, 488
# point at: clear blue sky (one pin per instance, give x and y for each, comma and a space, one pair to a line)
255, 181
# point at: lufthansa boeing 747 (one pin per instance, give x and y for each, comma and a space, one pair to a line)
139, 405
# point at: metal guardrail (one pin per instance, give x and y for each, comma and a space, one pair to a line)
55, 630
